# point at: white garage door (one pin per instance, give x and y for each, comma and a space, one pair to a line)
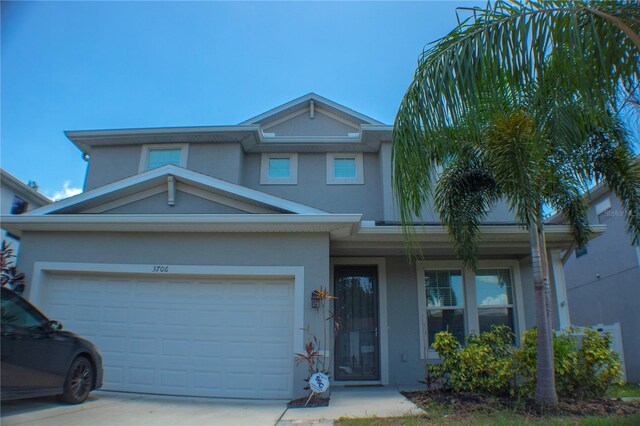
202, 337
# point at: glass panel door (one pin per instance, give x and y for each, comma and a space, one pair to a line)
357, 344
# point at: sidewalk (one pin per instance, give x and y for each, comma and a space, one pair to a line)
376, 401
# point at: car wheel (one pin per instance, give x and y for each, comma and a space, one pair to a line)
79, 381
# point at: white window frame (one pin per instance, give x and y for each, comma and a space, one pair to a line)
472, 323
511, 305
265, 179
333, 180
144, 156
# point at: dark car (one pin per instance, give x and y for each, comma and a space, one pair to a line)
40, 359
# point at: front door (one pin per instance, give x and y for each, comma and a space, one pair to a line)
357, 354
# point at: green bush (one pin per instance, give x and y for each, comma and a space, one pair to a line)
483, 365
584, 363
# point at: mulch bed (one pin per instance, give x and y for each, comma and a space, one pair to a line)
467, 404
315, 401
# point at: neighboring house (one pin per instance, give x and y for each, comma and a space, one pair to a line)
17, 198
603, 279
192, 255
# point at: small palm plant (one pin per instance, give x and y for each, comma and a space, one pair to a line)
315, 350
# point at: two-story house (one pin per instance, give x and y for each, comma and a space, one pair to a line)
17, 197
192, 255
603, 278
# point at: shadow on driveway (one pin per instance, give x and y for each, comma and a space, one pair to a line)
121, 409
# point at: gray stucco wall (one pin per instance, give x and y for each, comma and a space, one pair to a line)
320, 125
184, 203
111, 163
223, 161
312, 188
308, 250
603, 285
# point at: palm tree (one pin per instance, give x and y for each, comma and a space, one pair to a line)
522, 102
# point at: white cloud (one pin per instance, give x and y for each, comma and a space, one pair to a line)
66, 191
500, 300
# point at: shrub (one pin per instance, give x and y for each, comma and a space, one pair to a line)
483, 365
585, 365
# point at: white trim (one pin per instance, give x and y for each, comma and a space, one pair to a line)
338, 225
333, 180
292, 179
562, 301
295, 272
144, 156
421, 266
319, 99
383, 323
469, 291
181, 174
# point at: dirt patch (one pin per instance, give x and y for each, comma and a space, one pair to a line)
467, 404
315, 401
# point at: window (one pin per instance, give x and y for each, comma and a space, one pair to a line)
462, 301
602, 207
445, 303
19, 205
279, 169
494, 298
18, 313
154, 156
344, 169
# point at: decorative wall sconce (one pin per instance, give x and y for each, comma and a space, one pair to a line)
315, 300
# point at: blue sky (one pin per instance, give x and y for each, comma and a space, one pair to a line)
92, 65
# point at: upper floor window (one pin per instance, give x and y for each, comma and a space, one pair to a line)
19, 205
344, 169
154, 156
279, 169
602, 207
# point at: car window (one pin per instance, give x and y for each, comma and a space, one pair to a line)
18, 313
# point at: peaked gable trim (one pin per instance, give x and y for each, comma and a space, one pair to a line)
237, 191
306, 98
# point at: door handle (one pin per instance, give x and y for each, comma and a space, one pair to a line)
376, 331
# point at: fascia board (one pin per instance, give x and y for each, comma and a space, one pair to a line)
553, 233
340, 223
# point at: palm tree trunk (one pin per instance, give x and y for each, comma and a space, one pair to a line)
545, 374
545, 271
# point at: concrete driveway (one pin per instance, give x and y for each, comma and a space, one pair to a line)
121, 409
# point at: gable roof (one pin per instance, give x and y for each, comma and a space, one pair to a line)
303, 102
23, 189
152, 178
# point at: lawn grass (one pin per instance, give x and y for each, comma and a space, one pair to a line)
626, 390
501, 419
489, 413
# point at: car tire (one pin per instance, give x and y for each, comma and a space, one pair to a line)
79, 381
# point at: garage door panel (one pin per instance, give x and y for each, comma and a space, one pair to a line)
229, 338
